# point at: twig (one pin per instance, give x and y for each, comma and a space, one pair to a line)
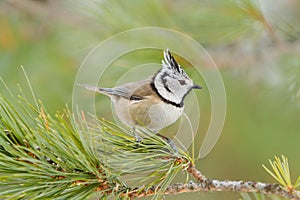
196, 174
207, 185
220, 186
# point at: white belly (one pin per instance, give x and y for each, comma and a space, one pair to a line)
163, 115
155, 117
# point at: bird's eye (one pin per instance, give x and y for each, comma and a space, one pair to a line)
182, 82
135, 98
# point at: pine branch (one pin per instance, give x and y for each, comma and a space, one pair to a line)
220, 186
205, 185
61, 157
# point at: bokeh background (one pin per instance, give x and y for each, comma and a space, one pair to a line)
255, 44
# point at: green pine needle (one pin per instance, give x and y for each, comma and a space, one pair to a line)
59, 157
281, 173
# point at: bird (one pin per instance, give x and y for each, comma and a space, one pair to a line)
155, 102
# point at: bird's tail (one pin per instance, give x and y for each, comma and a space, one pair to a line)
106, 91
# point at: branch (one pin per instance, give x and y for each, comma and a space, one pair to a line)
50, 157
206, 185
220, 186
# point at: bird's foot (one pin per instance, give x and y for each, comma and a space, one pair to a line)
138, 139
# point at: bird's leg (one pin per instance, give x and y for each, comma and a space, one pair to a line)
138, 138
169, 141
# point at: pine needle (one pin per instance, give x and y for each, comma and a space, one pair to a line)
281, 173
57, 157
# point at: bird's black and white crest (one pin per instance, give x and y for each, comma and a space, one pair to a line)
171, 82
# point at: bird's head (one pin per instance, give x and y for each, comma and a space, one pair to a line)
171, 81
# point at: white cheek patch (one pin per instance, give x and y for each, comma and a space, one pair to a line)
174, 85
176, 88
158, 82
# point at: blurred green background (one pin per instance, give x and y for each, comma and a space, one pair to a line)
255, 44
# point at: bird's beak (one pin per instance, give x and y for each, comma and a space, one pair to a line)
195, 86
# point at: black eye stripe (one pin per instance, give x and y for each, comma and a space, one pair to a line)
182, 82
164, 81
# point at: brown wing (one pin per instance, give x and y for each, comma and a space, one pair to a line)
138, 90
144, 90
